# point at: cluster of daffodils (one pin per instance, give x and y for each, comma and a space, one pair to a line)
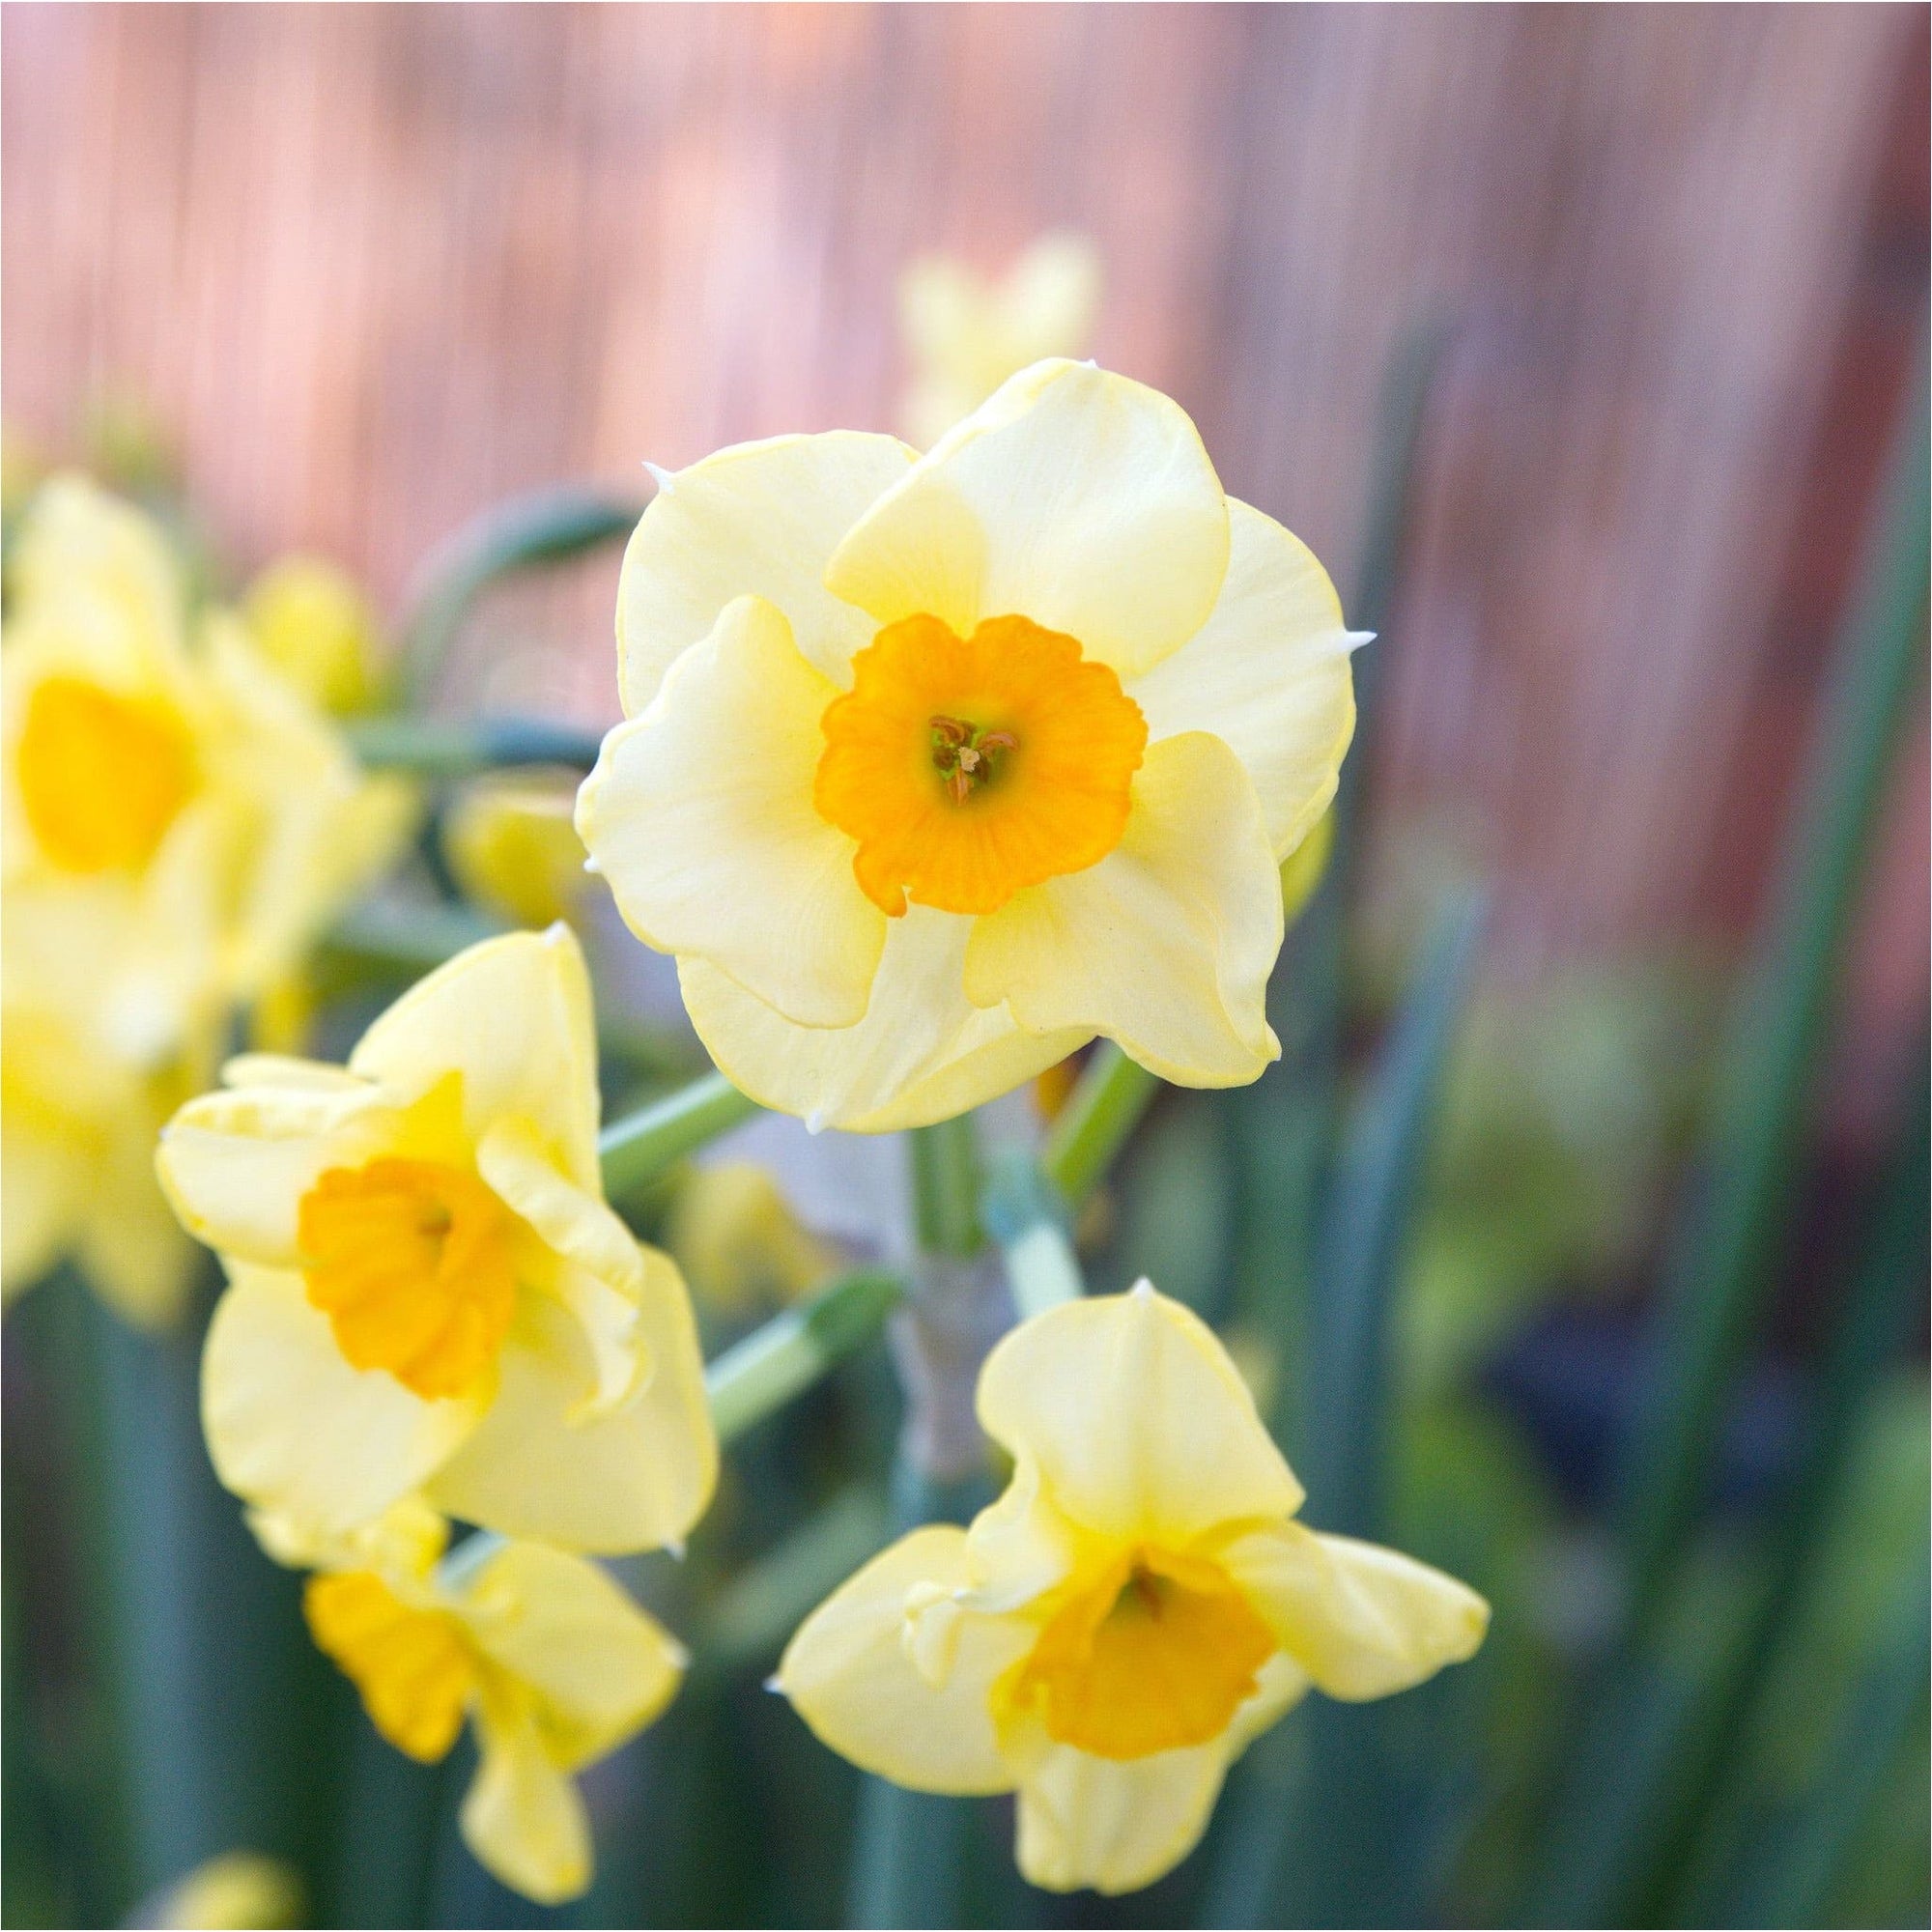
934, 768
432, 1313
180, 819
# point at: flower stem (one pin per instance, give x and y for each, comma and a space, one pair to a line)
1022, 1214
946, 1186
1104, 1108
642, 1144
783, 1358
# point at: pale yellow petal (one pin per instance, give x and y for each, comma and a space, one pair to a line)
1268, 672
513, 1017
634, 1479
850, 1673
1138, 1423
1114, 1825
923, 1052
760, 519
699, 815
292, 1429
601, 1276
599, 1667
235, 1164
101, 570
1167, 943
522, 1816
1361, 1620
1075, 498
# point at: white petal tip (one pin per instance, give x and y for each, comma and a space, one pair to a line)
591, 866
665, 479
773, 1685
1142, 1289
1354, 641
814, 1122
675, 1550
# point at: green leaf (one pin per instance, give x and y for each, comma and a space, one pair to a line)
526, 533
1725, 1261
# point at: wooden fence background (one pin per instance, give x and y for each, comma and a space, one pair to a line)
371, 267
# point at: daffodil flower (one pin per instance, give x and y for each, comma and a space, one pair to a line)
312, 623
542, 1651
966, 333
512, 848
1140, 1604
426, 1291
178, 825
937, 767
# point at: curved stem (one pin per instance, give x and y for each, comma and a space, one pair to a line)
1103, 1110
640, 1145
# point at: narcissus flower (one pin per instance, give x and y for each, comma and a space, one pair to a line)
966, 334
511, 845
542, 1651
311, 621
1140, 1604
178, 824
937, 767
427, 1288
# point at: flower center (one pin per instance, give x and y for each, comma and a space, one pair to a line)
412, 1262
413, 1667
971, 768
101, 777
1157, 1652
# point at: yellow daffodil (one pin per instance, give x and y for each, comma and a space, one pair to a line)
739, 1242
428, 1292
230, 1893
936, 767
511, 845
966, 334
178, 824
310, 620
1140, 1604
542, 1651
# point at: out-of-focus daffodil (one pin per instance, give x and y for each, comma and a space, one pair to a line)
312, 623
738, 1241
543, 1652
966, 334
1138, 1606
178, 825
426, 1291
230, 1893
937, 767
513, 847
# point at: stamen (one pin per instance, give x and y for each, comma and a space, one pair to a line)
965, 754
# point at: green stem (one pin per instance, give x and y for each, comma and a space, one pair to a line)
454, 749
1723, 1266
1104, 1108
543, 526
1023, 1215
1703, 1775
946, 1186
768, 1367
642, 1144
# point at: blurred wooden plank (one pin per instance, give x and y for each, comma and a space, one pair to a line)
374, 265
